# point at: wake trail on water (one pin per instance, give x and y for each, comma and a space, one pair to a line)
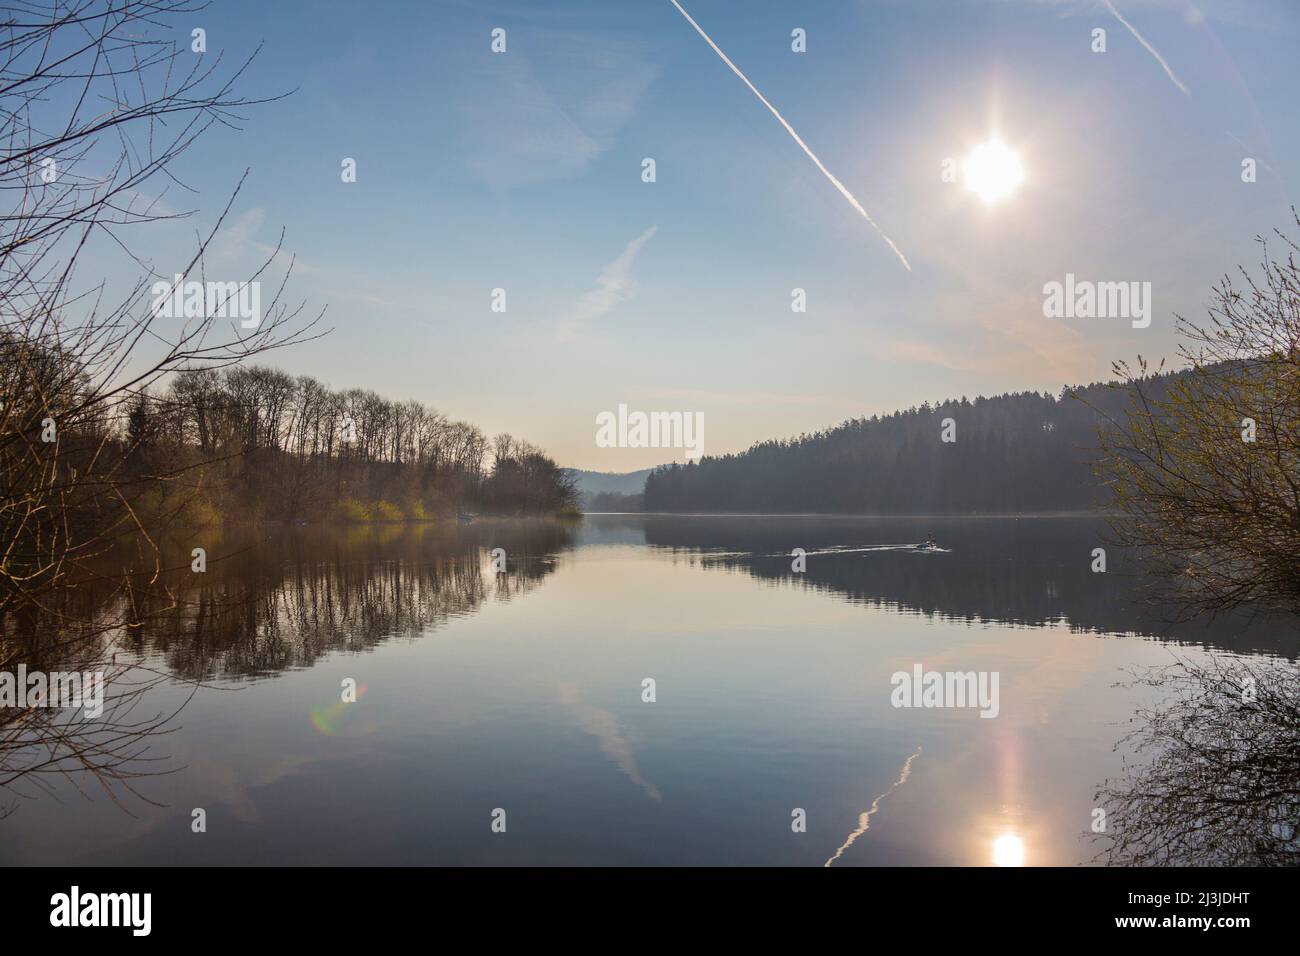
866, 550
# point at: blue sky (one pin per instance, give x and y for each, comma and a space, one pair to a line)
522, 170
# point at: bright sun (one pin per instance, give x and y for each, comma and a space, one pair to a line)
992, 171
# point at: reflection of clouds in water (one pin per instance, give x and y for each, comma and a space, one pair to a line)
1039, 677
605, 726
864, 819
231, 787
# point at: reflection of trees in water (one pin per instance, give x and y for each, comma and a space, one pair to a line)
44, 747
293, 618
1032, 571
294, 598
1222, 782
265, 604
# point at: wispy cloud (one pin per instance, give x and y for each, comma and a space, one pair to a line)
238, 239
797, 138
550, 107
985, 339
237, 246
1149, 48
922, 353
746, 399
1008, 343
615, 284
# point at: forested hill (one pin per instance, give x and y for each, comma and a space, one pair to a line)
1013, 453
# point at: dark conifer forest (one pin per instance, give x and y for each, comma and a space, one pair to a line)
1025, 452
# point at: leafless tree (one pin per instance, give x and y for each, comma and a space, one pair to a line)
1205, 464
97, 103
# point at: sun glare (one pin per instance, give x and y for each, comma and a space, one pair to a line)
992, 171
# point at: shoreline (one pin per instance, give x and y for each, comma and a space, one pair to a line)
824, 514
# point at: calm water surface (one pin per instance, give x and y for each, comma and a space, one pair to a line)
523, 691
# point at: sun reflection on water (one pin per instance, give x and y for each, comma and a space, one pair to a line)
1008, 850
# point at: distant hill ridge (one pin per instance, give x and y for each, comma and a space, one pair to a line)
609, 482
1020, 452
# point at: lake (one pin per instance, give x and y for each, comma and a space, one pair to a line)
518, 699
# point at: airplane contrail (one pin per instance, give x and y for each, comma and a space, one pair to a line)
790, 129
1149, 48
864, 819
